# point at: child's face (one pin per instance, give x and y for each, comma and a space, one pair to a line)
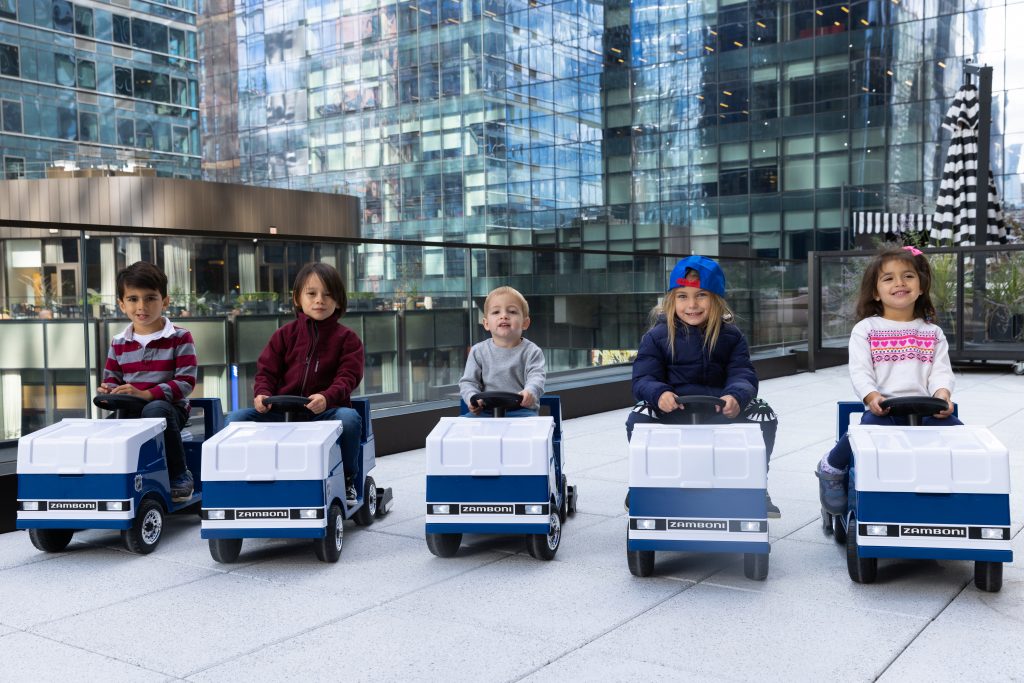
145, 308
504, 319
314, 299
898, 287
693, 305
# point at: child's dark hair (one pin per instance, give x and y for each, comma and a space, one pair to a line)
141, 275
328, 275
867, 301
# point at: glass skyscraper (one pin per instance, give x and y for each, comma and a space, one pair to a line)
746, 128
99, 84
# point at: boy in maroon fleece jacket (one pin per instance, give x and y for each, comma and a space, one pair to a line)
317, 357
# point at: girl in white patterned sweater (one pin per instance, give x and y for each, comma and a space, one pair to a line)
894, 351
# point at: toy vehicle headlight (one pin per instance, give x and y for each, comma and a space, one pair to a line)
991, 534
646, 524
534, 509
215, 514
32, 505
441, 509
750, 526
877, 530
308, 514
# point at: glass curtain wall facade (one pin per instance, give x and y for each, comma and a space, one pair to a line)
758, 126
98, 85
450, 119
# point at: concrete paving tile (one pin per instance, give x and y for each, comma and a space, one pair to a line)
238, 615
583, 665
803, 459
583, 456
382, 645
977, 638
397, 565
599, 496
30, 657
564, 602
17, 550
5, 630
818, 573
793, 485
796, 514
83, 579
751, 635
616, 471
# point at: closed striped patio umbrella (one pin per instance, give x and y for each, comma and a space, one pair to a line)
955, 208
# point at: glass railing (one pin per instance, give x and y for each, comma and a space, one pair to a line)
978, 294
414, 305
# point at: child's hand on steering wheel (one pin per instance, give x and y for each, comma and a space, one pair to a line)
731, 408
874, 403
528, 398
667, 402
317, 404
944, 395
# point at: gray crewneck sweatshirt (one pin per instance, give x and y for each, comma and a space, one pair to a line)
493, 368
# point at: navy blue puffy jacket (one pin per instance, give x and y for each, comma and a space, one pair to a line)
726, 370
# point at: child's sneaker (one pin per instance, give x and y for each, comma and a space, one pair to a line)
182, 487
773, 509
831, 488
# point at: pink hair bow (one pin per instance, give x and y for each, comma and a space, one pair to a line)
914, 251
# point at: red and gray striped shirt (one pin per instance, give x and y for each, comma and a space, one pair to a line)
166, 366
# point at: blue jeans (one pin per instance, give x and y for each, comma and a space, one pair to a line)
176, 418
840, 455
351, 428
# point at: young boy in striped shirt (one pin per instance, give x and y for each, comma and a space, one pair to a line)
155, 361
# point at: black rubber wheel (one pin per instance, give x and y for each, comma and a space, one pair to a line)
755, 566
641, 562
365, 515
225, 550
544, 546
574, 497
147, 528
444, 545
50, 540
328, 548
826, 523
563, 509
861, 569
838, 530
988, 576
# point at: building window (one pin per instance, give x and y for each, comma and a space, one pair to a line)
9, 63
11, 116
122, 30
9, 9
123, 81
14, 168
67, 122
126, 132
87, 74
83, 21
63, 16
147, 35
88, 127
64, 70
180, 137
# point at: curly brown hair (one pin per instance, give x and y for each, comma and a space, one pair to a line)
867, 301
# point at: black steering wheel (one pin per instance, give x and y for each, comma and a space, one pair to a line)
914, 407
498, 401
697, 405
291, 406
122, 405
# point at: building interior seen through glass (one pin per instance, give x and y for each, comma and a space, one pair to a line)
416, 321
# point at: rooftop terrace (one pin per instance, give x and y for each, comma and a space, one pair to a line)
389, 610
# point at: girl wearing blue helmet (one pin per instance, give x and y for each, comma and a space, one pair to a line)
694, 349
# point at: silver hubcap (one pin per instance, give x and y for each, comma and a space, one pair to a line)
339, 531
152, 524
371, 500
554, 531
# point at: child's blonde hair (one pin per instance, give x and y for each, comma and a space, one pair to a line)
718, 313
507, 291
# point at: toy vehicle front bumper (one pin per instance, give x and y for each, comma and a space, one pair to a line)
488, 518
717, 520
75, 514
297, 522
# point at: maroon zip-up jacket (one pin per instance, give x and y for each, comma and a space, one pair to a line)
307, 357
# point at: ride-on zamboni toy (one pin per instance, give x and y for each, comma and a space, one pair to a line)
104, 474
286, 480
500, 475
698, 488
924, 492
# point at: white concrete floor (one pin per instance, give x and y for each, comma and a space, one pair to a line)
389, 610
